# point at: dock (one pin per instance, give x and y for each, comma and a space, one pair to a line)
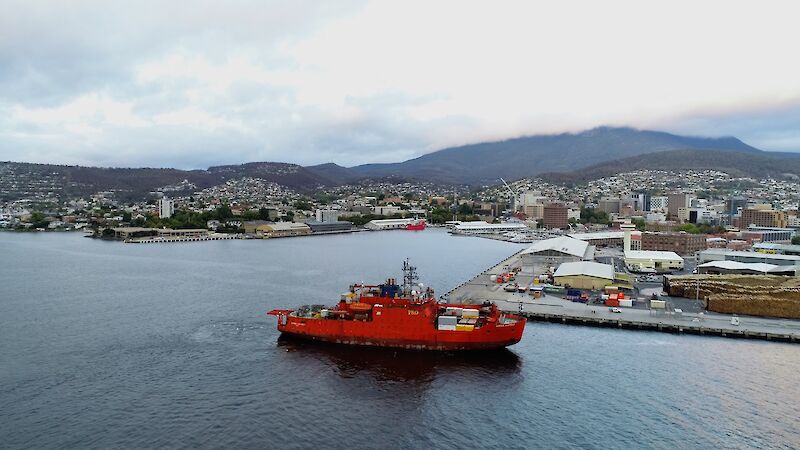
553, 308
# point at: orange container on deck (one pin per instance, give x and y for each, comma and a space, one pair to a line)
621, 295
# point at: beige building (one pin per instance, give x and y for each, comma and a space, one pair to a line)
584, 275
276, 229
763, 218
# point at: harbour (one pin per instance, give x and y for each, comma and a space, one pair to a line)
171, 344
554, 308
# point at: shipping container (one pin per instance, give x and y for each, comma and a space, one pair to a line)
658, 304
612, 302
470, 313
447, 320
465, 327
447, 327
628, 303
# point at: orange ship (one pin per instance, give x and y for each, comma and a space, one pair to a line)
407, 316
417, 225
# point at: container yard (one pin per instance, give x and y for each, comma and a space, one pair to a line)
536, 298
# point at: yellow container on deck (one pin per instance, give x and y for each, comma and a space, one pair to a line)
465, 327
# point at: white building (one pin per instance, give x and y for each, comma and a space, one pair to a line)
166, 208
388, 224
327, 215
555, 251
386, 210
659, 204
481, 227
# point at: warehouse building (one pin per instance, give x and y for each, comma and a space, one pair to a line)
276, 229
721, 254
388, 224
649, 261
584, 275
553, 252
330, 227
739, 268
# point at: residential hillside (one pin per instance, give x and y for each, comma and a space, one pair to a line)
748, 164
20, 180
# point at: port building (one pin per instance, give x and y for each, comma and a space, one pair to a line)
650, 260
276, 229
330, 227
555, 251
778, 249
740, 268
722, 254
481, 227
584, 275
388, 224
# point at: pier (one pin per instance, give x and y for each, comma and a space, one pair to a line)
553, 308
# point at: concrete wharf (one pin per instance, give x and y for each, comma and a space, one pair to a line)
552, 308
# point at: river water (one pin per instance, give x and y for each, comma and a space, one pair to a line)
111, 345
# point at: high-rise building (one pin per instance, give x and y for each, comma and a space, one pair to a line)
327, 215
556, 216
676, 202
763, 218
659, 204
609, 205
166, 208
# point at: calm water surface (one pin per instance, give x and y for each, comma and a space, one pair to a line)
107, 345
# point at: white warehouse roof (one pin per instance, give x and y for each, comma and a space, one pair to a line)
654, 255
588, 268
563, 244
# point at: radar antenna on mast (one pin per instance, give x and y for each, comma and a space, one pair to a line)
410, 277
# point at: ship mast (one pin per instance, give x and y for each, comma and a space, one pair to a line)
409, 277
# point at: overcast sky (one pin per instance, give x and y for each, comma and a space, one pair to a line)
193, 84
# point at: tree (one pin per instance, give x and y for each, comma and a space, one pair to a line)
640, 224
796, 240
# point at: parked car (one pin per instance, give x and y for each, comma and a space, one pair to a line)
615, 310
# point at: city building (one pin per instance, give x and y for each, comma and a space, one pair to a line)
768, 234
680, 243
659, 203
327, 215
584, 275
601, 238
386, 210
762, 218
535, 211
330, 227
649, 260
555, 251
166, 208
556, 216
676, 202
609, 205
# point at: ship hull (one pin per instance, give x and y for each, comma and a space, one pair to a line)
405, 336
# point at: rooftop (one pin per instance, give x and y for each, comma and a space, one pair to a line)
589, 268
652, 254
563, 244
